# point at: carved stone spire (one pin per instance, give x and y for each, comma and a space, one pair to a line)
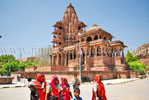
70, 20
68, 27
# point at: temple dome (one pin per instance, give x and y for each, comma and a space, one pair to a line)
94, 27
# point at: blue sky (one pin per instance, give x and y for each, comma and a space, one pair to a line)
28, 23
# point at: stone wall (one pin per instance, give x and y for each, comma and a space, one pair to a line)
6, 80
38, 69
87, 74
59, 68
146, 62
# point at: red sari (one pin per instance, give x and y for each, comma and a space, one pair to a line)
54, 91
101, 89
65, 92
45, 84
38, 84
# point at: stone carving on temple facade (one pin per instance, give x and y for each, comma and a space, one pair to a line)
98, 51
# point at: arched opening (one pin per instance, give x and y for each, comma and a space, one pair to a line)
74, 54
100, 37
59, 59
79, 28
107, 52
92, 52
60, 43
60, 27
96, 37
98, 51
105, 38
82, 40
70, 55
54, 45
89, 39
83, 58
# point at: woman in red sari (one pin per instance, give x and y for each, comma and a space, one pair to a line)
98, 92
38, 86
44, 86
53, 89
65, 90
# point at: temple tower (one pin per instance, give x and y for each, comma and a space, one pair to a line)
66, 30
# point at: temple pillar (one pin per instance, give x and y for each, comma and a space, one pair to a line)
62, 60
65, 58
57, 59
89, 51
123, 57
95, 51
72, 54
85, 63
118, 51
52, 60
109, 51
68, 56
101, 51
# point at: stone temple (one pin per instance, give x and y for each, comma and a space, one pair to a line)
98, 51
142, 53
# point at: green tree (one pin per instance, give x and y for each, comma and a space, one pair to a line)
13, 66
130, 57
34, 62
132, 61
6, 58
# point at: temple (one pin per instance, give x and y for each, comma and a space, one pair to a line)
142, 53
98, 51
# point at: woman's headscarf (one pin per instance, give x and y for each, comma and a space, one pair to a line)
43, 78
39, 78
63, 82
98, 78
55, 77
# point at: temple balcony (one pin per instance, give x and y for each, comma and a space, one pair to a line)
58, 31
94, 42
58, 39
58, 24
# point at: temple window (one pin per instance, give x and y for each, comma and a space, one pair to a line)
96, 37
60, 43
100, 37
60, 27
89, 39
54, 44
98, 51
104, 52
79, 28
59, 59
83, 58
70, 55
74, 55
82, 40
107, 52
55, 36
105, 38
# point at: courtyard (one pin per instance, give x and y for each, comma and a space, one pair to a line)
137, 90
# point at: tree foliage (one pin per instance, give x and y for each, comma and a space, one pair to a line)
6, 58
132, 61
34, 62
130, 57
137, 66
10, 64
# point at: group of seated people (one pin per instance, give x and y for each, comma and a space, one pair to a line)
41, 90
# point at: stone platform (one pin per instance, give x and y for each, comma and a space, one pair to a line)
85, 74
6, 80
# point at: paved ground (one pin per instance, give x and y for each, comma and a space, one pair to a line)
137, 90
